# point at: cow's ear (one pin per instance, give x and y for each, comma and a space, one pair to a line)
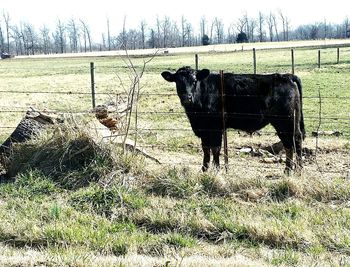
168, 76
202, 74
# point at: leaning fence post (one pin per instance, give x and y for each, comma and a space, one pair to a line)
319, 59
224, 119
254, 60
196, 60
292, 54
92, 75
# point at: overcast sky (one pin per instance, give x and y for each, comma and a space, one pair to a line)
40, 12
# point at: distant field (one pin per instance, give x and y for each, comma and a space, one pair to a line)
53, 83
210, 48
138, 213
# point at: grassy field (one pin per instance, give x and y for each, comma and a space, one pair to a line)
115, 209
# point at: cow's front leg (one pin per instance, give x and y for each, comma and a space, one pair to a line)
216, 156
206, 158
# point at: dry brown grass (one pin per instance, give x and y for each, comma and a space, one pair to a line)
331, 158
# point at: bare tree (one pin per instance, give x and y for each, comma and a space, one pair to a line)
59, 37
29, 38
166, 25
270, 24
186, 32
124, 38
158, 32
2, 40
189, 31
132, 38
275, 27
103, 46
231, 34
325, 28
285, 25
252, 24
261, 21
152, 40
6, 17
183, 31
212, 29
346, 31
86, 35
108, 35
241, 24
203, 23
133, 92
17, 36
46, 40
73, 34
143, 34
283, 20
219, 30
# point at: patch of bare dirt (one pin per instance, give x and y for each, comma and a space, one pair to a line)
327, 156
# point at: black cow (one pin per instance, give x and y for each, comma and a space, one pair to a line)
251, 102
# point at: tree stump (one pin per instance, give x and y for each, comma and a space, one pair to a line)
31, 124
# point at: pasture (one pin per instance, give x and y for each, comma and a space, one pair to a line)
141, 213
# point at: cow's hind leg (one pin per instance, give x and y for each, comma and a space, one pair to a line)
291, 137
286, 136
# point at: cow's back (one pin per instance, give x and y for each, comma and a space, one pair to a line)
251, 100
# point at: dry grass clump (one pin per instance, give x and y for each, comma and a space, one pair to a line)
67, 154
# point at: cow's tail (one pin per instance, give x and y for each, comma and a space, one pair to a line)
297, 80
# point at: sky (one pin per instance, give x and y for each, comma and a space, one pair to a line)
95, 13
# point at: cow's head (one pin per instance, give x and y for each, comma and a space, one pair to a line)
187, 84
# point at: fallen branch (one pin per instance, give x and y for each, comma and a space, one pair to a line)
107, 135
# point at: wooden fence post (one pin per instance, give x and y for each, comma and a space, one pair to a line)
254, 60
292, 54
196, 61
224, 118
92, 75
319, 59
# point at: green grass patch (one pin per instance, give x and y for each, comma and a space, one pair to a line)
75, 200
107, 201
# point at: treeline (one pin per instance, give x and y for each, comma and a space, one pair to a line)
75, 36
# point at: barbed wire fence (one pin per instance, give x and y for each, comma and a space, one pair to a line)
317, 119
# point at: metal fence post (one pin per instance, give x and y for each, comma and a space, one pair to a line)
319, 59
338, 55
92, 75
254, 60
292, 54
196, 61
224, 118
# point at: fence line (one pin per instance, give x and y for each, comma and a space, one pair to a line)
189, 130
325, 119
147, 94
183, 114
